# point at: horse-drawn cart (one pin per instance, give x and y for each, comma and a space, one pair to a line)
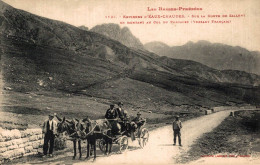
99, 132
141, 134
122, 141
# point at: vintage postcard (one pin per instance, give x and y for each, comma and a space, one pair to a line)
129, 82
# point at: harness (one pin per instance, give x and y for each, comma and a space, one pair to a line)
90, 132
81, 133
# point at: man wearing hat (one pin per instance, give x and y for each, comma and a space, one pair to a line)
121, 113
112, 115
176, 126
111, 112
49, 130
138, 122
138, 119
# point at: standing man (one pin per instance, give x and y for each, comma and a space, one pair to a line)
176, 126
49, 130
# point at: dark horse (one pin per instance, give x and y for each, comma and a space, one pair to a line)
91, 130
98, 129
72, 128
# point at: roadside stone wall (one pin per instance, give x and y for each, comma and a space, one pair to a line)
222, 108
15, 143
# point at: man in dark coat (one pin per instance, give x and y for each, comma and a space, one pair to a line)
119, 110
111, 113
123, 115
176, 126
112, 116
49, 130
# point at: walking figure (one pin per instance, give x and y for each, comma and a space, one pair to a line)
176, 126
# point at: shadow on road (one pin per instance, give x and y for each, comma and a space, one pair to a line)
166, 145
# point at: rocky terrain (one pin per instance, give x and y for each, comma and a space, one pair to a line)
123, 35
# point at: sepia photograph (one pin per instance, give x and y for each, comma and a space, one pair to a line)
129, 82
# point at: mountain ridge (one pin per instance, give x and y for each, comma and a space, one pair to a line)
39, 54
215, 55
123, 35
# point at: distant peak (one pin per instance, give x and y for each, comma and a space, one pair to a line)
125, 29
123, 35
204, 42
158, 43
189, 43
200, 42
82, 27
109, 25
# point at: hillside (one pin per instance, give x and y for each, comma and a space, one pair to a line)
123, 35
215, 55
39, 55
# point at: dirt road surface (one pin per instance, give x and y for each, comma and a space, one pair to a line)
159, 150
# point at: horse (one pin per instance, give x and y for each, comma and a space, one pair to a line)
72, 128
91, 130
98, 129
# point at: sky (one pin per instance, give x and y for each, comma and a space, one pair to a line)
240, 31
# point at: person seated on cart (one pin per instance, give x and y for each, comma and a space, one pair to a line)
112, 116
126, 123
123, 115
136, 125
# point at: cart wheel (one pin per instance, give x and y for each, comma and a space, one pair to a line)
144, 137
123, 144
102, 145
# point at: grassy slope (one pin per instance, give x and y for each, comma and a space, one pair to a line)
76, 72
32, 109
238, 135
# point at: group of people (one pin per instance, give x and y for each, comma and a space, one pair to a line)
119, 119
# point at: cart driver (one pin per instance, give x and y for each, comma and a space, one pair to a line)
139, 121
122, 114
112, 116
137, 124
